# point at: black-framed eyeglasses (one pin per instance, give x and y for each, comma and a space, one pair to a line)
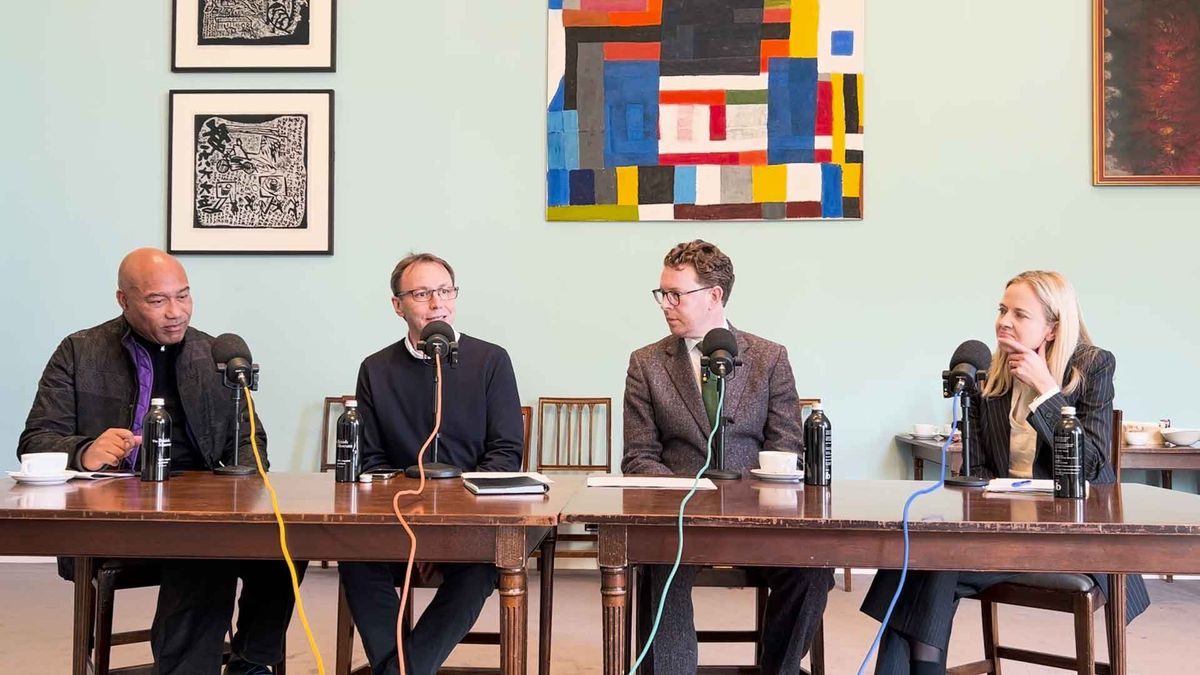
424, 294
672, 297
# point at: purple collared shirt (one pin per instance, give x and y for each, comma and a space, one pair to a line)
145, 382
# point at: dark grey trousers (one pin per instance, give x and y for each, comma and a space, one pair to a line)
375, 605
795, 603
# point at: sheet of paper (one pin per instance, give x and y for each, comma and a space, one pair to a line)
649, 482
540, 477
100, 475
1021, 485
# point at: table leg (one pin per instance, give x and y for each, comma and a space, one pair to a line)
546, 616
514, 623
1115, 623
613, 598
85, 615
918, 468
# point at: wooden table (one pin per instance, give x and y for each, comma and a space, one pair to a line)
1150, 458
1120, 529
199, 515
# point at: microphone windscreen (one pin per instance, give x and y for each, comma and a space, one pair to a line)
974, 353
719, 338
228, 346
437, 328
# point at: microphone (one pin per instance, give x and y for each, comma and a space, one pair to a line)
232, 358
968, 367
719, 350
437, 339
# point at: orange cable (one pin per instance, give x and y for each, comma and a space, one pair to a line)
412, 537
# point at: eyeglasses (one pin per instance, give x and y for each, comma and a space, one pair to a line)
425, 294
672, 297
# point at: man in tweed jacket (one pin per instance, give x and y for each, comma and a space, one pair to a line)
666, 432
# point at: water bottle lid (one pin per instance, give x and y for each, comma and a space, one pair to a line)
1068, 410
352, 403
817, 406
158, 401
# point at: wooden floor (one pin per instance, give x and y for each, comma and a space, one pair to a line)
35, 622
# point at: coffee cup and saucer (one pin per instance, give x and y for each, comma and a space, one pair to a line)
777, 466
43, 468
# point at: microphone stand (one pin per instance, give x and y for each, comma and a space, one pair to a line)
958, 383
720, 472
436, 469
236, 469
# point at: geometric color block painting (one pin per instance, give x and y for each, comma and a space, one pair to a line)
704, 110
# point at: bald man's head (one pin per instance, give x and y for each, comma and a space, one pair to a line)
153, 292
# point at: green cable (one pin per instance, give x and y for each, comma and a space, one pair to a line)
679, 550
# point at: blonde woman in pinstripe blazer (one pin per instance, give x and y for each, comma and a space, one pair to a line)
1044, 360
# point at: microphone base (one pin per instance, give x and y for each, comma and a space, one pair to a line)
966, 481
722, 474
235, 470
434, 471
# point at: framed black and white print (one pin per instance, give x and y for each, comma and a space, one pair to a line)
250, 171
254, 35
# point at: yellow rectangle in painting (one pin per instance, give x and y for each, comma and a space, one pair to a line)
627, 187
802, 41
592, 212
839, 118
852, 180
769, 183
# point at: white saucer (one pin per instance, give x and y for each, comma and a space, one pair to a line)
934, 437
42, 479
779, 477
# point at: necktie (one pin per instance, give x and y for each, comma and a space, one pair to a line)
710, 392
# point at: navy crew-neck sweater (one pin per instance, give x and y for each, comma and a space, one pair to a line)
481, 430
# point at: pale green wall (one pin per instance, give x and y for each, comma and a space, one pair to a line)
977, 117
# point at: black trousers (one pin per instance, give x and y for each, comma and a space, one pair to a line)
924, 612
371, 593
796, 600
195, 610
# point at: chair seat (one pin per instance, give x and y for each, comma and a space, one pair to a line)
1056, 581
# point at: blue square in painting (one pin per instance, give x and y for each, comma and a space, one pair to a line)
841, 42
555, 4
583, 187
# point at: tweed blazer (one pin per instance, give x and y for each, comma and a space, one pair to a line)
666, 427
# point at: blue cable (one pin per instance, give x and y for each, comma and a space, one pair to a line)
679, 549
904, 570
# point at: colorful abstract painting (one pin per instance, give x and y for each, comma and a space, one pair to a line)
704, 110
1147, 92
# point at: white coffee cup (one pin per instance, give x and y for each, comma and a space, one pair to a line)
925, 430
44, 463
947, 429
774, 461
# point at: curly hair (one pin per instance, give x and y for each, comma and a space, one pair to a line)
713, 268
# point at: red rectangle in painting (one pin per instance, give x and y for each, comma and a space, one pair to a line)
824, 108
721, 212
803, 210
750, 157
771, 49
822, 156
777, 15
631, 51
686, 158
716, 123
692, 97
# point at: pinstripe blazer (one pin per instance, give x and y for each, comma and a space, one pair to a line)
1093, 401
666, 427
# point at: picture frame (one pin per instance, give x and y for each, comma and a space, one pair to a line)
250, 171
254, 35
1145, 125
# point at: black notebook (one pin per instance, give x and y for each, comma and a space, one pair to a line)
515, 485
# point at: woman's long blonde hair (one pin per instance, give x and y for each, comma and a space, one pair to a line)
1061, 306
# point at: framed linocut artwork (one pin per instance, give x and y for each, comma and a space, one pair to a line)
704, 110
254, 35
250, 171
1146, 92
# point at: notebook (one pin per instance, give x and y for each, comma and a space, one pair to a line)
509, 485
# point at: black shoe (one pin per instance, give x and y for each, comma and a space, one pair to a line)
239, 666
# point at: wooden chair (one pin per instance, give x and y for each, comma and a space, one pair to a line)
345, 624
1060, 592
570, 431
720, 577
95, 605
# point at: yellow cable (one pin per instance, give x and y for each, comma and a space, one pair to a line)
287, 557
